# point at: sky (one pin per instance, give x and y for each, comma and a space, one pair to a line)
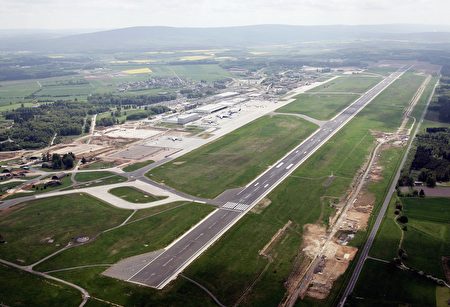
110, 14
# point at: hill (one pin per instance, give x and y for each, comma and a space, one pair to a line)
157, 38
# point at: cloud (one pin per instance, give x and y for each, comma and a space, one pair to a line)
119, 13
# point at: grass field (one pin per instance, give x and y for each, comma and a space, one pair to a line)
428, 236
350, 84
183, 293
89, 176
385, 285
99, 165
140, 236
233, 264
102, 181
319, 106
387, 241
299, 199
234, 159
144, 213
39, 292
384, 71
9, 185
66, 182
135, 195
28, 227
137, 165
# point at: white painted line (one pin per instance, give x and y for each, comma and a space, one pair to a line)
167, 262
290, 165
279, 165
266, 185
199, 236
256, 184
212, 225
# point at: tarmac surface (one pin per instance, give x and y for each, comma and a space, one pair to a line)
177, 256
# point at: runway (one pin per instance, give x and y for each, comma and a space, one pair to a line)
181, 253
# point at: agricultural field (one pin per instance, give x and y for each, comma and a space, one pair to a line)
236, 158
134, 195
136, 71
37, 228
348, 84
15, 91
207, 72
61, 91
319, 106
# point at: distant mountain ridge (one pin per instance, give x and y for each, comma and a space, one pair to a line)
159, 37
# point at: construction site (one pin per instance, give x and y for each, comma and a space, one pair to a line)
326, 252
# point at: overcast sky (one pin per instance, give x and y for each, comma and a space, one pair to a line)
108, 14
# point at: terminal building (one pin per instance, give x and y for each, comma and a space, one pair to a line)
210, 108
182, 119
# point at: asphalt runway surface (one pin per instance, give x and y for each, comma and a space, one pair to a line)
176, 257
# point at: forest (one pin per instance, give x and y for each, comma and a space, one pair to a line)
35, 127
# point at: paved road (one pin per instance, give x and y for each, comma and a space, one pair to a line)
176, 257
365, 251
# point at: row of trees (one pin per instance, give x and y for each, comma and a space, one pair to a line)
139, 100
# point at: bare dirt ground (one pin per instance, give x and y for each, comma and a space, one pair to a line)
334, 265
264, 203
358, 215
266, 251
9, 155
325, 254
